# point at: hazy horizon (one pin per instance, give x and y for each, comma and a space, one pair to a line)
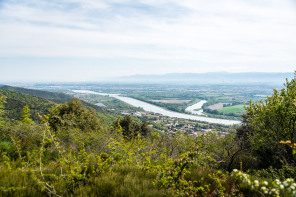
177, 78
95, 40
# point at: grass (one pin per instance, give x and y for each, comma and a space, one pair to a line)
233, 109
123, 181
224, 98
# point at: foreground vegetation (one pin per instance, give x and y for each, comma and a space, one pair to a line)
71, 152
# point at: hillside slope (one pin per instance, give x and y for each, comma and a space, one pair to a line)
42, 101
15, 102
40, 93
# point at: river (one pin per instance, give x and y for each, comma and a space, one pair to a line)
197, 105
155, 109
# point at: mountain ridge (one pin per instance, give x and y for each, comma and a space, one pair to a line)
40, 93
210, 78
38, 100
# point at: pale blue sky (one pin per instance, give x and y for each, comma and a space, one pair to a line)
89, 40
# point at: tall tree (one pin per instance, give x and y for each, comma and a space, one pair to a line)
131, 128
272, 121
25, 115
2, 101
73, 114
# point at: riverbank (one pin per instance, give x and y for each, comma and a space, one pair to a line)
155, 109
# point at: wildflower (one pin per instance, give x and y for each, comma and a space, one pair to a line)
256, 182
290, 180
264, 189
286, 184
274, 191
265, 183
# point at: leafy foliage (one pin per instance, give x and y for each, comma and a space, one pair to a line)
2, 101
131, 128
71, 153
256, 187
15, 103
270, 122
73, 115
25, 115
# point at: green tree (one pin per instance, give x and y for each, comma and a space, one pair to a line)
2, 111
131, 128
145, 129
73, 115
25, 115
2, 101
271, 121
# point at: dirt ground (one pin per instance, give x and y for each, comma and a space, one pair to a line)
216, 106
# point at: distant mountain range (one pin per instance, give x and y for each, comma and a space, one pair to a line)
210, 78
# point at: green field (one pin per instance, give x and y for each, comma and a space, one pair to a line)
233, 109
227, 98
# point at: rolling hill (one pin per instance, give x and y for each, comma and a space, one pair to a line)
40, 93
41, 102
15, 102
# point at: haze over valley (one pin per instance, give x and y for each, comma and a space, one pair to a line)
148, 98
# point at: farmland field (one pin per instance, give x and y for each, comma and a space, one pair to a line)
216, 106
233, 109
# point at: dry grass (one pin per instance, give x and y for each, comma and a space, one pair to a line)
216, 106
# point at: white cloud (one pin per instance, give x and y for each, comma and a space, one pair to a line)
89, 4
212, 31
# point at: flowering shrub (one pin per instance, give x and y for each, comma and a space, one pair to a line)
274, 188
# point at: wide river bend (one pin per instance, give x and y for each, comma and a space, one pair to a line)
155, 109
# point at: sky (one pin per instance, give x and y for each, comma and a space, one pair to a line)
93, 40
